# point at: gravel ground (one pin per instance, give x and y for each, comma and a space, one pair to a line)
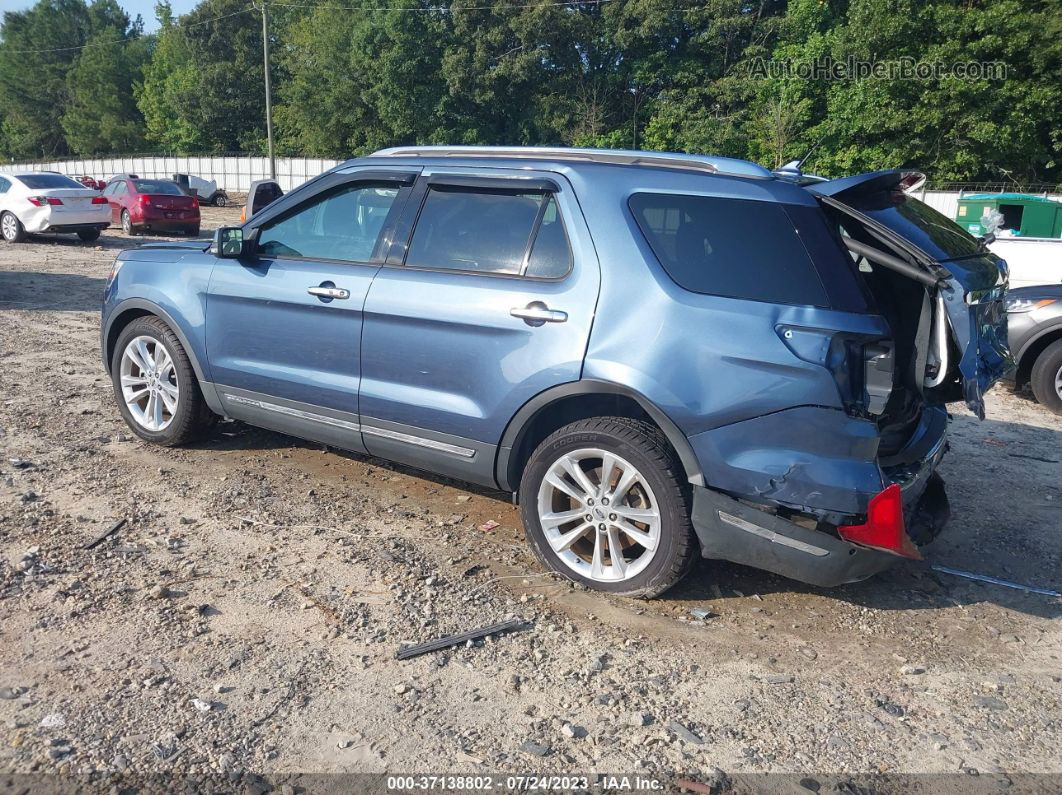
245, 618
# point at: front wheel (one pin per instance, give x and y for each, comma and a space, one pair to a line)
605, 502
219, 200
1046, 377
155, 385
11, 228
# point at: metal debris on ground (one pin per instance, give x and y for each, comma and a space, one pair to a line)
456, 640
702, 614
488, 526
994, 580
114, 528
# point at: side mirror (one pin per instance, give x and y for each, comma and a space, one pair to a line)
228, 242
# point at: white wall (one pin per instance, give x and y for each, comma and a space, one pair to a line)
231, 173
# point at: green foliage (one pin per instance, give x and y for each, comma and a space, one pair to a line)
101, 115
655, 74
203, 89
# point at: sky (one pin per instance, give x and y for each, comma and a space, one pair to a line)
146, 9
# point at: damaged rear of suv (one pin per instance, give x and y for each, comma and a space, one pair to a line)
937, 296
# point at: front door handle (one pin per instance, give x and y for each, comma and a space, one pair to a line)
537, 313
328, 292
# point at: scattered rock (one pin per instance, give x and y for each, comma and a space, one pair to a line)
640, 719
684, 734
573, 732
55, 720
402, 689
912, 670
809, 652
201, 706
778, 679
990, 702
534, 749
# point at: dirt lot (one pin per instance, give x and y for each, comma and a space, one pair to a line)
245, 618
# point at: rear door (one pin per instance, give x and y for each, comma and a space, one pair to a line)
972, 280
283, 327
487, 299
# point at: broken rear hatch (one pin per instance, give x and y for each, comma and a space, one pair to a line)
971, 280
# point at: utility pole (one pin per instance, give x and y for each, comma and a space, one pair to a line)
268, 91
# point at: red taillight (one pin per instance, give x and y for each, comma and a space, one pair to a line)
144, 199
195, 202
884, 528
54, 202
40, 201
98, 200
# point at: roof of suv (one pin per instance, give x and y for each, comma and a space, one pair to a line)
706, 163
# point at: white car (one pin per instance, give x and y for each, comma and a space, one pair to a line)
46, 202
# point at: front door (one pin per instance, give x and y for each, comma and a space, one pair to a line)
486, 303
283, 327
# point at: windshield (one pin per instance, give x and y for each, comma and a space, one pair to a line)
158, 187
46, 181
917, 222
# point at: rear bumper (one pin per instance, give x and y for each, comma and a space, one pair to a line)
50, 219
740, 533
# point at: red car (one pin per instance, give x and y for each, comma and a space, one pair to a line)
151, 205
91, 182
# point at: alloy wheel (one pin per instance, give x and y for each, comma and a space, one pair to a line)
127, 223
9, 226
149, 383
599, 515
1058, 382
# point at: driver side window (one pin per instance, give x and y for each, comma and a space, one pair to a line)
343, 224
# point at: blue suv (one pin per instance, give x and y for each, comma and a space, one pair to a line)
657, 354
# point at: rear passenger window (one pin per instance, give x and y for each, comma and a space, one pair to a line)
490, 232
729, 247
343, 225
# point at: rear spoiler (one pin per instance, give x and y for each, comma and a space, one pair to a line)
868, 183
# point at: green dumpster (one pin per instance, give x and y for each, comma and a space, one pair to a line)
1023, 215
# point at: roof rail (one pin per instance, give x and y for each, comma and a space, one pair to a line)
629, 157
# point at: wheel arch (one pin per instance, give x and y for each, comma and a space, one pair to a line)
133, 308
565, 403
1032, 349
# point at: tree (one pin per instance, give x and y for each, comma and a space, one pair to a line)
204, 88
101, 115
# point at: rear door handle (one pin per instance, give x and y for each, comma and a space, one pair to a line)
328, 292
537, 313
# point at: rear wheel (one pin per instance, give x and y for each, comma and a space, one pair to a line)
1046, 377
605, 503
155, 385
127, 223
219, 200
192, 231
11, 228
88, 235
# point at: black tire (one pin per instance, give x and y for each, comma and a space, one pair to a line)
193, 418
1045, 375
648, 451
192, 231
12, 228
127, 224
88, 235
219, 199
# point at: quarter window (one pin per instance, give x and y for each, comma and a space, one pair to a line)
489, 231
4, 185
729, 247
344, 224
